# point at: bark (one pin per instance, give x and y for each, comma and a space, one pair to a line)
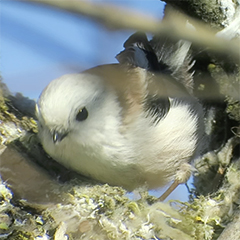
217, 14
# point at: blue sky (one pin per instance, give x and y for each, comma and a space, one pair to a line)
39, 44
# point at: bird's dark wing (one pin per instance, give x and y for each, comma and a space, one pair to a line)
167, 63
145, 79
159, 55
176, 55
139, 53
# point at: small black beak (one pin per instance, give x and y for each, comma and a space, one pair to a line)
58, 137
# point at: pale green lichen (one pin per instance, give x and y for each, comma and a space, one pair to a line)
13, 124
103, 212
20, 235
12, 128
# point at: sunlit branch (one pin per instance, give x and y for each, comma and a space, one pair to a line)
174, 25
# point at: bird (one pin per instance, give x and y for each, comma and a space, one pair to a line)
133, 123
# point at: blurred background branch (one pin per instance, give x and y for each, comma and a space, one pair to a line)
174, 24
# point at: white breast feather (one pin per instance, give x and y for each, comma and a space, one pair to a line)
147, 153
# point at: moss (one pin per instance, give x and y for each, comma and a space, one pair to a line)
127, 219
29, 124
12, 127
9, 115
20, 235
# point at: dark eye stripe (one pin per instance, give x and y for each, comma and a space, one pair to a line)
82, 114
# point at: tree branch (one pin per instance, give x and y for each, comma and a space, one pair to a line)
174, 24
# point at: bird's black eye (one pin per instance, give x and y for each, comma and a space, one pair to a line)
82, 114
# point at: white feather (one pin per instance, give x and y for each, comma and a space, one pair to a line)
144, 153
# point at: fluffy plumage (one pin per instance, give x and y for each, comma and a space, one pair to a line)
137, 124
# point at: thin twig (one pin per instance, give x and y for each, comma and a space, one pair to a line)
174, 25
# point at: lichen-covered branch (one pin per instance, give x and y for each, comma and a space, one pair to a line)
217, 14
